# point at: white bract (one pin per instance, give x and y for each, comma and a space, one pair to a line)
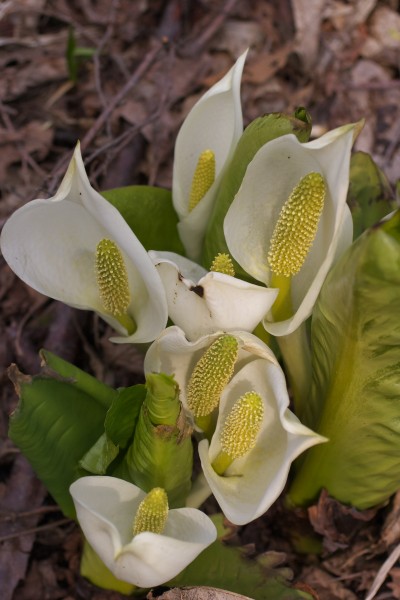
51, 245
254, 481
202, 302
214, 123
106, 508
272, 175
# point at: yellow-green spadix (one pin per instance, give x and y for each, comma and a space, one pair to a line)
208, 136
202, 302
211, 374
265, 231
152, 512
53, 245
255, 478
106, 508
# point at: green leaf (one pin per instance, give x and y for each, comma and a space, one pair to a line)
73, 53
119, 426
103, 393
70, 56
224, 567
150, 214
99, 457
123, 414
54, 425
258, 133
93, 568
370, 196
356, 376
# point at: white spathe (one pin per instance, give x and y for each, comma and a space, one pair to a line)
51, 243
106, 508
252, 483
201, 302
269, 180
214, 123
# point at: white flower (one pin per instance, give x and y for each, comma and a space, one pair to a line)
201, 302
214, 123
277, 168
52, 244
254, 481
106, 509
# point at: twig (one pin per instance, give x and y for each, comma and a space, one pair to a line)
39, 529
26, 157
202, 39
14, 516
383, 572
96, 58
102, 118
136, 76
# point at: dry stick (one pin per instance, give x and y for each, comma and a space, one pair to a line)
96, 58
102, 118
14, 516
136, 76
211, 30
383, 572
26, 157
39, 529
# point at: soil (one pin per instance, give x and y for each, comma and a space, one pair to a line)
138, 68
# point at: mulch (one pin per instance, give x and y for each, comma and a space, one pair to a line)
137, 70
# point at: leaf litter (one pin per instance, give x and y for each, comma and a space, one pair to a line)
144, 65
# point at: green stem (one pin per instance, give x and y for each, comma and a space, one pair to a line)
221, 463
282, 308
296, 354
294, 347
128, 322
206, 424
93, 568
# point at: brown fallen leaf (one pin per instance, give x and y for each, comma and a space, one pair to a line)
197, 593
336, 522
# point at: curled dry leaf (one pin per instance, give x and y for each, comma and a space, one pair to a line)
197, 593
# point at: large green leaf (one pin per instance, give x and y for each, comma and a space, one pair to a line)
150, 214
54, 425
259, 132
370, 196
355, 399
225, 567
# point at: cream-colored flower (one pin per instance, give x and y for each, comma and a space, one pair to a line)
209, 134
253, 481
108, 511
289, 220
77, 248
201, 302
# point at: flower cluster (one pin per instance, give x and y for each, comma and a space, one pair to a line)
284, 228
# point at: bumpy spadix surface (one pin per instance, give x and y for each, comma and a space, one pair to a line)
297, 224
105, 507
258, 218
211, 374
201, 302
51, 245
222, 263
152, 512
203, 178
112, 278
251, 483
242, 425
215, 122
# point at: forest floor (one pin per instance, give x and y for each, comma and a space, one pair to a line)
142, 65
